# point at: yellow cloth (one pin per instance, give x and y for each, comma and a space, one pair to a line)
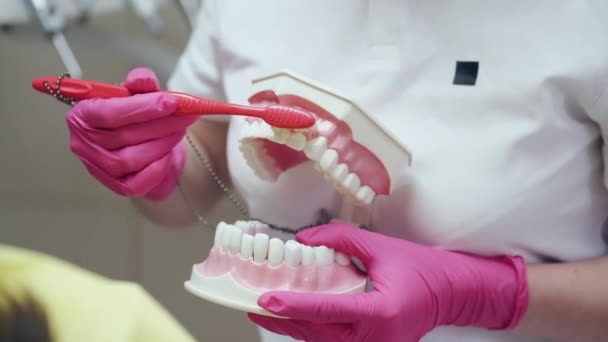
84, 306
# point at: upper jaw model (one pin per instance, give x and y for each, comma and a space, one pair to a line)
352, 150
354, 153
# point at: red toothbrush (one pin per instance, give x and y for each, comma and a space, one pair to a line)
71, 90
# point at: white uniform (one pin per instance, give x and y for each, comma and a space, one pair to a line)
510, 164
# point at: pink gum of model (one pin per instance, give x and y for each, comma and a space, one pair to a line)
261, 277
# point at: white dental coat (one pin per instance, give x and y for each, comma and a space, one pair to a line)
512, 164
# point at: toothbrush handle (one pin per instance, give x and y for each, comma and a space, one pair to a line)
79, 89
191, 105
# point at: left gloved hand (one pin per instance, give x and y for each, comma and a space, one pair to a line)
416, 288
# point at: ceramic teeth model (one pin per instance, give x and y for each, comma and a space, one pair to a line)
247, 260
355, 153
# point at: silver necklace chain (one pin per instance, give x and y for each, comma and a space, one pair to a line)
323, 216
205, 161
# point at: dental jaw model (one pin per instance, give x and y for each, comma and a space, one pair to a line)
352, 150
246, 260
357, 156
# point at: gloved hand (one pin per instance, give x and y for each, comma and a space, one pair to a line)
132, 144
416, 288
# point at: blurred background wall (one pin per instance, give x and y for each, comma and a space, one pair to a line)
49, 203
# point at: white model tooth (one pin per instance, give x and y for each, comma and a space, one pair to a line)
226, 237
235, 239
247, 246
352, 183
324, 255
329, 160
342, 259
260, 129
246, 226
296, 141
254, 129
365, 195
308, 255
259, 227
219, 232
260, 247
293, 253
314, 149
249, 150
340, 172
276, 249
280, 135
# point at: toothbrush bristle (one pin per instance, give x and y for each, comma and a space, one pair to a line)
288, 117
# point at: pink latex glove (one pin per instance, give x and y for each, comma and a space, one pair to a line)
132, 144
416, 288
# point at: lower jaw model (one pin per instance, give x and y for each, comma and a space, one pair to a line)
246, 261
354, 153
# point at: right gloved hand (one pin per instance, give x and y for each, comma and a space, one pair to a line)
132, 144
